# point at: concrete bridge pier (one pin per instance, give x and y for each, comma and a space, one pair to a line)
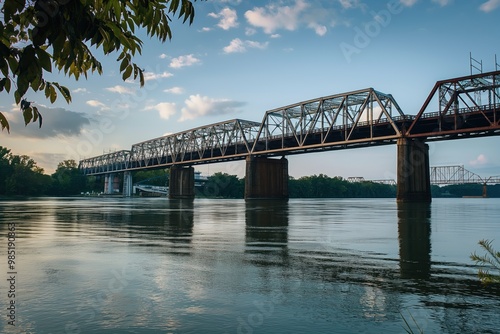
181, 185
266, 178
414, 180
127, 184
111, 183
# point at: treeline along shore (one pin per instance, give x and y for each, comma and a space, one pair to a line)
21, 176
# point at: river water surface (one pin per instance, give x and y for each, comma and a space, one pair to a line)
110, 265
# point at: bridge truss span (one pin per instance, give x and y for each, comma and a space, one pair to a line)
106, 163
225, 140
443, 175
468, 107
361, 117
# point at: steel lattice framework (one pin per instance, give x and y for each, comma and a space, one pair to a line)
468, 106
362, 117
106, 163
458, 175
453, 175
228, 140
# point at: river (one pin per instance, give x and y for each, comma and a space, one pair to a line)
151, 265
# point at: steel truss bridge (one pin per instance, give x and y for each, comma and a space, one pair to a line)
467, 107
442, 175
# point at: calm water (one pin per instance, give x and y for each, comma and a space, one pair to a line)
227, 266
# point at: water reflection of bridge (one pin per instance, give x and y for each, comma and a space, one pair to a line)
467, 107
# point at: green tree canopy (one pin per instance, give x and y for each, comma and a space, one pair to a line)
38, 36
67, 179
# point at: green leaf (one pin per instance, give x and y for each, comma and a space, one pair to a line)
127, 73
28, 115
22, 84
47, 89
17, 96
35, 110
4, 123
53, 94
7, 85
124, 64
117, 9
44, 59
64, 91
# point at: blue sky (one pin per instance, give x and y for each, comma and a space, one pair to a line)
241, 58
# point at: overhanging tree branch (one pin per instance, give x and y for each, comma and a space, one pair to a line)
36, 36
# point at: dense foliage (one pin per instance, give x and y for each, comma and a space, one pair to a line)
222, 185
323, 186
20, 176
37, 35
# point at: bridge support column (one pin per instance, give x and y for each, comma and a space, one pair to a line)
111, 182
266, 178
414, 181
181, 185
127, 184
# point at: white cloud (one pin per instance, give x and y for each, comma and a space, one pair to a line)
237, 45
228, 18
120, 90
197, 106
318, 28
80, 90
490, 5
480, 160
154, 76
165, 109
272, 17
163, 56
205, 29
174, 90
408, 3
96, 104
250, 31
275, 36
348, 4
183, 61
442, 3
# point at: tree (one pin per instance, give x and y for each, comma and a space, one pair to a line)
25, 178
37, 35
67, 179
223, 185
5, 168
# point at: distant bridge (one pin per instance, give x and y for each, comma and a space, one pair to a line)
467, 107
459, 175
443, 175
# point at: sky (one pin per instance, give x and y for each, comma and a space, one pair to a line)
241, 58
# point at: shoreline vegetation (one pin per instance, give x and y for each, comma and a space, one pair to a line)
20, 177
